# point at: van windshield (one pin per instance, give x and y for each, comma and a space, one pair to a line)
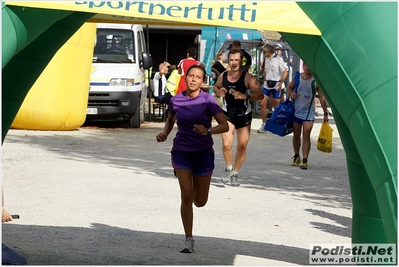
114, 46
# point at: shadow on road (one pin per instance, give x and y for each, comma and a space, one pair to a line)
267, 168
116, 246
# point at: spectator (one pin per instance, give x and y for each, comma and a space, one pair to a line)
171, 68
206, 86
219, 63
183, 66
159, 82
278, 52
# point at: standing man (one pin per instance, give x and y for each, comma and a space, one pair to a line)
237, 87
275, 73
304, 114
246, 60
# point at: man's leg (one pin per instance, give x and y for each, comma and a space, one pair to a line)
242, 142
227, 144
263, 108
276, 100
307, 128
296, 143
296, 139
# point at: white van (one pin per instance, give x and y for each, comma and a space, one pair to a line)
117, 84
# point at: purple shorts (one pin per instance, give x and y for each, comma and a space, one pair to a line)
275, 92
201, 163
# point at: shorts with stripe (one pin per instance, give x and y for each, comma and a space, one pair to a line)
238, 120
201, 163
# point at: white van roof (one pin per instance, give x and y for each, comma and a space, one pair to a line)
134, 27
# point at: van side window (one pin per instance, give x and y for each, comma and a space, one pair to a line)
144, 43
139, 45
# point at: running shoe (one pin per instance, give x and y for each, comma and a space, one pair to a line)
226, 176
262, 128
304, 164
296, 161
188, 245
234, 180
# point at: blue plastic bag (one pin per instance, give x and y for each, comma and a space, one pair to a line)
280, 122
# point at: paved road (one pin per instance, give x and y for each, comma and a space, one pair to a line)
107, 196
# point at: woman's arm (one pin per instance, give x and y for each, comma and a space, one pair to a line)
222, 126
170, 122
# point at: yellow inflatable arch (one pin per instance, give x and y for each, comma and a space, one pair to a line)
58, 99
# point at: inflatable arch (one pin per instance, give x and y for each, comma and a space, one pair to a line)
354, 59
58, 99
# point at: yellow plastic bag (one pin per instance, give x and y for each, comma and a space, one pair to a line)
324, 143
172, 84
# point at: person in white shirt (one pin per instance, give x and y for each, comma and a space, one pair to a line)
304, 114
159, 83
275, 73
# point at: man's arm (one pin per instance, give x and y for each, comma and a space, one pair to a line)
252, 84
284, 68
283, 77
323, 102
155, 83
218, 88
163, 70
291, 87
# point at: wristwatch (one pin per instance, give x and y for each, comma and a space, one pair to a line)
209, 131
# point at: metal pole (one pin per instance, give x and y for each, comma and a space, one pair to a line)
166, 50
149, 77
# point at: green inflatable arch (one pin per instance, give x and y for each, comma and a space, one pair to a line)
354, 62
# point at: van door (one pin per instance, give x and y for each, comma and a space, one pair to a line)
140, 50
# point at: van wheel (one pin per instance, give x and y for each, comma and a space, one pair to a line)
134, 120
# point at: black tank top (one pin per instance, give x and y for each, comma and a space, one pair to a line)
237, 106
